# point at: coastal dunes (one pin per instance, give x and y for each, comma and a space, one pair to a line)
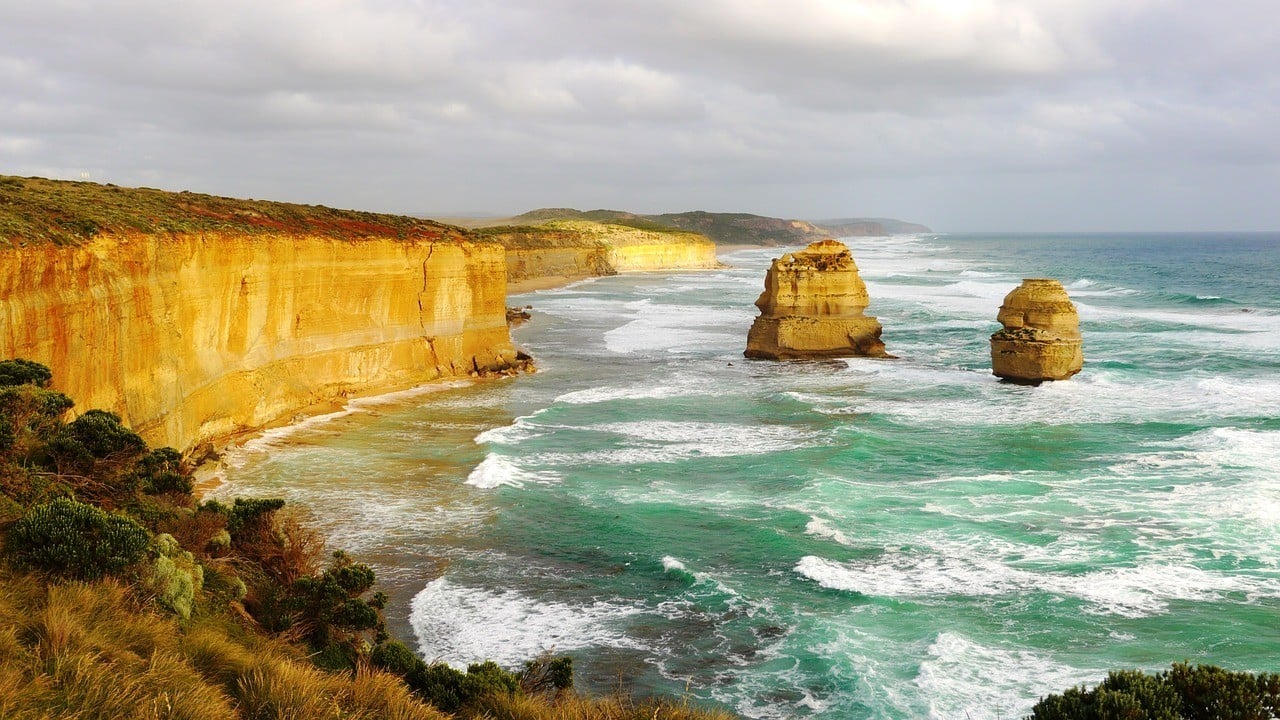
197, 317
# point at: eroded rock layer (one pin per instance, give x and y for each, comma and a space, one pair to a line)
812, 307
196, 336
1040, 339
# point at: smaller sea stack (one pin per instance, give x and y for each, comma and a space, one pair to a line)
1041, 335
812, 307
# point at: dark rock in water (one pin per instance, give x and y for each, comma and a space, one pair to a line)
517, 315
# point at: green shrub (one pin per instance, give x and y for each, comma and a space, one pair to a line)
450, 690
546, 674
1184, 692
76, 541
103, 435
33, 411
1210, 693
441, 685
394, 657
330, 606
160, 471
24, 372
174, 576
245, 512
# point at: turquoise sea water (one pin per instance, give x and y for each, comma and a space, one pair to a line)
847, 539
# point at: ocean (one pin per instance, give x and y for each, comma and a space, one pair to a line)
858, 538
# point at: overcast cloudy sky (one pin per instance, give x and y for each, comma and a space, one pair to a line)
962, 114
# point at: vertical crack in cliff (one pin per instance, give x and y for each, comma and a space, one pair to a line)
422, 311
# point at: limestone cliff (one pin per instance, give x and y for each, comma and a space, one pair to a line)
196, 317
1040, 339
580, 249
192, 337
812, 306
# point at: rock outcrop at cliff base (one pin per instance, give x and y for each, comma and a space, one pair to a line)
812, 307
1040, 339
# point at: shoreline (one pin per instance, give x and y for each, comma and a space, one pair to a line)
207, 474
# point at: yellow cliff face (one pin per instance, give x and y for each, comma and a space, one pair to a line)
581, 249
193, 337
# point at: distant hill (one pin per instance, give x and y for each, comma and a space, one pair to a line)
846, 227
729, 228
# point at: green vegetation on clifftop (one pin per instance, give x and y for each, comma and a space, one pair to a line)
37, 210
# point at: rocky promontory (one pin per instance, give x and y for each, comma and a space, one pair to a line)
812, 307
1040, 339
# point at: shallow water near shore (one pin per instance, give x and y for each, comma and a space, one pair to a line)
842, 539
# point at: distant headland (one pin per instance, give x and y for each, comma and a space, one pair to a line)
722, 228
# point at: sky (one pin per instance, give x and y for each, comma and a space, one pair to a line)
965, 115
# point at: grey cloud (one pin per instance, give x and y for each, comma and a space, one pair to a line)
984, 114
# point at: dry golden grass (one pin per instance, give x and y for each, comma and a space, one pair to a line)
94, 651
91, 651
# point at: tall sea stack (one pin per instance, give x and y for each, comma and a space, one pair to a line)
1041, 335
812, 307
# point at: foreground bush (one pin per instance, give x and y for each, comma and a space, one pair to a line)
73, 540
1184, 692
24, 372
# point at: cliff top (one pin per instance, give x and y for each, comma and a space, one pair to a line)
38, 210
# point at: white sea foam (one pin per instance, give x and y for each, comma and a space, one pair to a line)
821, 527
591, 396
495, 471
583, 308
460, 625
1139, 591
665, 327
661, 441
960, 678
1095, 396
521, 429
669, 564
1229, 447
